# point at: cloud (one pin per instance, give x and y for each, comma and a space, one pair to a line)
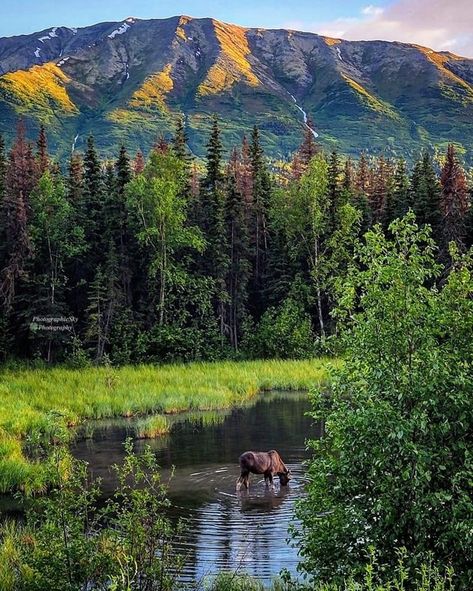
444, 25
372, 10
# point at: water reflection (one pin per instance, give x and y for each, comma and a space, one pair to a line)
225, 530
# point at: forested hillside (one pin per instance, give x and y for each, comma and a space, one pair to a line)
152, 258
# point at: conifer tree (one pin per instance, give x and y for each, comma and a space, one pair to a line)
19, 182
42, 152
194, 182
180, 139
212, 221
93, 198
399, 198
259, 231
362, 191
425, 194
379, 193
239, 264
75, 179
348, 182
454, 200
123, 235
245, 177
161, 146
334, 188
138, 163
309, 146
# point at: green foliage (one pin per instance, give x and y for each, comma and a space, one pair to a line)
283, 333
234, 582
155, 199
70, 541
395, 466
426, 577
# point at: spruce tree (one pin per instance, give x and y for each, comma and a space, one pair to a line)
75, 179
180, 139
138, 163
212, 221
20, 180
425, 194
42, 152
125, 243
259, 231
334, 189
309, 146
399, 198
362, 191
379, 193
238, 254
93, 199
454, 200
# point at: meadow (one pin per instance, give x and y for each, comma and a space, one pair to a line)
40, 407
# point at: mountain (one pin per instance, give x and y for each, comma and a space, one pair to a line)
125, 81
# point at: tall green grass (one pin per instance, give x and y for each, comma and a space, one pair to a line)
37, 405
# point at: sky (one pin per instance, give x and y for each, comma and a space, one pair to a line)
441, 24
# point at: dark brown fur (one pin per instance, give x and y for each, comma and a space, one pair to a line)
262, 462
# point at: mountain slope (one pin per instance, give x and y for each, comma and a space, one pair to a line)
125, 81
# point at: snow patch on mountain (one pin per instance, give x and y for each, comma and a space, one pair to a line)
38, 52
123, 29
63, 61
52, 33
339, 54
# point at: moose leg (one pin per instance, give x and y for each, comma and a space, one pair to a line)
246, 481
243, 480
268, 479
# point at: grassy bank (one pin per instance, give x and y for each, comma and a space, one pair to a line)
39, 406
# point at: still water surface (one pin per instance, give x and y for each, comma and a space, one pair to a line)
225, 530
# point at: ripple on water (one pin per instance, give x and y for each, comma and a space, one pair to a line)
239, 530
226, 530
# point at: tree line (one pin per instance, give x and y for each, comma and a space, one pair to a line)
167, 258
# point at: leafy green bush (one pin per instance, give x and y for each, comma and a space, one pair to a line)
70, 543
284, 333
395, 467
426, 577
234, 582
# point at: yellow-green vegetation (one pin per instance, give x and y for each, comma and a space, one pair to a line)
152, 427
41, 89
441, 60
232, 65
180, 32
38, 405
154, 90
372, 101
330, 41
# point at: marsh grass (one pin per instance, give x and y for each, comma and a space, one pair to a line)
38, 406
152, 427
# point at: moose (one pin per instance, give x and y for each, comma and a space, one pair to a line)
261, 462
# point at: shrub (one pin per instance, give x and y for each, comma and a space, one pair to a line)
284, 333
395, 466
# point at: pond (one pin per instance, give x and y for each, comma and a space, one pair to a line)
225, 530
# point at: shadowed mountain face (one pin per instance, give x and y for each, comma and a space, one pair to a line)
126, 81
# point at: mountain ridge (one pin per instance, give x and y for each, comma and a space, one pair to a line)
126, 80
